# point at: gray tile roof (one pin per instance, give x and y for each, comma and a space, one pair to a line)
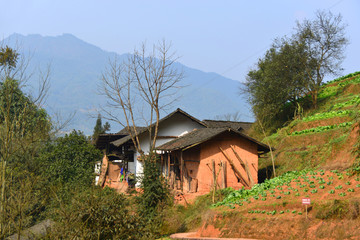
199, 136
228, 124
144, 129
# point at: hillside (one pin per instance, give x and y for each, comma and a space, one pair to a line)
322, 137
316, 157
76, 67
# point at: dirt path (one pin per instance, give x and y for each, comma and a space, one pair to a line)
192, 236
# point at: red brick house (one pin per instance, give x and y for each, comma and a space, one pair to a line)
195, 161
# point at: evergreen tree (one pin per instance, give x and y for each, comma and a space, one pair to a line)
99, 128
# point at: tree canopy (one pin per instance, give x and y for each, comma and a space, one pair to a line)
295, 67
69, 159
8, 57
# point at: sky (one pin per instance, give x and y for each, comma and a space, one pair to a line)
226, 37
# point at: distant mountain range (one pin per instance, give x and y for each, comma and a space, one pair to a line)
76, 67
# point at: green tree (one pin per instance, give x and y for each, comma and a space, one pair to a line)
99, 128
24, 126
325, 42
69, 160
155, 189
8, 58
277, 83
294, 67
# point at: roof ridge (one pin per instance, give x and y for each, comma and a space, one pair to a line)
224, 121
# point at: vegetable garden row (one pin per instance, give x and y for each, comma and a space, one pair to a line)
298, 184
322, 128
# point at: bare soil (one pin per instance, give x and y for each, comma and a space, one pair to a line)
239, 223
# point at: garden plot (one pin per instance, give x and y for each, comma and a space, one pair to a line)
281, 196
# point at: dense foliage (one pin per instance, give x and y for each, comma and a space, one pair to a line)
277, 80
24, 127
295, 67
155, 189
8, 58
69, 159
96, 213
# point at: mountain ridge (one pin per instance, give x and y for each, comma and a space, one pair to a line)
77, 67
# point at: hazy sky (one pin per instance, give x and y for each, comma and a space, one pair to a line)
225, 37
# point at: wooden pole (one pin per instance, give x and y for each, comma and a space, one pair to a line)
246, 165
214, 180
163, 169
181, 170
168, 164
236, 171
214, 174
223, 180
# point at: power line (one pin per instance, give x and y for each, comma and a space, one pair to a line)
252, 55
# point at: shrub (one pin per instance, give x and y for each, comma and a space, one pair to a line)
98, 214
69, 160
155, 189
338, 209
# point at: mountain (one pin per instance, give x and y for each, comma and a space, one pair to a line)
76, 67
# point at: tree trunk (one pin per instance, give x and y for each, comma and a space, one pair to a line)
314, 97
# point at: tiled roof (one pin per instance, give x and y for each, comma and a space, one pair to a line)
124, 131
199, 136
144, 129
228, 124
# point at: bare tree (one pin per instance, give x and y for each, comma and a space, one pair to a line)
229, 117
325, 42
149, 76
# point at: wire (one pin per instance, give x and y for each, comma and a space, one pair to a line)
252, 55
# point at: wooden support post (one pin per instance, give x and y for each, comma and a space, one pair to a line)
162, 164
247, 169
236, 171
181, 170
223, 180
214, 174
214, 180
168, 164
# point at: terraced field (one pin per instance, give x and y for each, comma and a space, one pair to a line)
322, 137
316, 157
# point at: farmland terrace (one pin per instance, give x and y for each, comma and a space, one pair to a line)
316, 157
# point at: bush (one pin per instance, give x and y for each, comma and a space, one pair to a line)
69, 160
97, 214
338, 209
155, 189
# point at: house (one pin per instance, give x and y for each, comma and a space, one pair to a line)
194, 154
211, 157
